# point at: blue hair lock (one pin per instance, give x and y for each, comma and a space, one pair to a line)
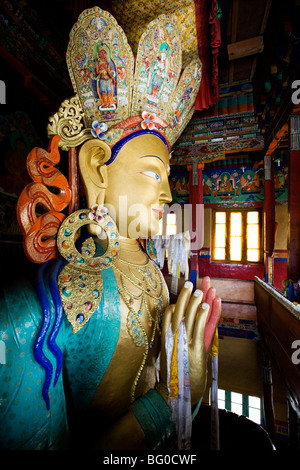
117, 147
46, 310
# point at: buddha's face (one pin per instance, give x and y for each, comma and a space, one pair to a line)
138, 186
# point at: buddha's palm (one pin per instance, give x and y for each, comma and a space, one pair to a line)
201, 312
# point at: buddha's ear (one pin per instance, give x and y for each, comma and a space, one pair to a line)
92, 158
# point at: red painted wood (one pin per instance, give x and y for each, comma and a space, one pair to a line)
229, 270
293, 270
279, 273
73, 179
39, 230
269, 207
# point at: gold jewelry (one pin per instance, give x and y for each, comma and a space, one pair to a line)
80, 281
149, 282
143, 284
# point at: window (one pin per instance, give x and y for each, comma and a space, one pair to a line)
171, 224
241, 405
237, 236
171, 227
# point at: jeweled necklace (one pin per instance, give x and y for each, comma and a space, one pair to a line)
134, 324
148, 290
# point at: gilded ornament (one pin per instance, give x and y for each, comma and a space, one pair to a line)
68, 124
80, 281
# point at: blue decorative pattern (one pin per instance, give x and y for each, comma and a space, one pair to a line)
25, 421
154, 416
89, 351
33, 412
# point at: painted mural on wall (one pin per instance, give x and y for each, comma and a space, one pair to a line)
242, 186
281, 181
179, 184
233, 186
237, 187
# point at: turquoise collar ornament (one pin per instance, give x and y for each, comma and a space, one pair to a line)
80, 281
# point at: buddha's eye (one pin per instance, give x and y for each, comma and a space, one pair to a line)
152, 174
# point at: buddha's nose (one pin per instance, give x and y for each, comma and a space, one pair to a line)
165, 194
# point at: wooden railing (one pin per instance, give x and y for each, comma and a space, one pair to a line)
279, 324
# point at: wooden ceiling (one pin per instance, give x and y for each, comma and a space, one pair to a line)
243, 24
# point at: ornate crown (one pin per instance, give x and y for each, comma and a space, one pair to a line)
115, 94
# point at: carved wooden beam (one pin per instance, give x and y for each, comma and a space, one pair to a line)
240, 49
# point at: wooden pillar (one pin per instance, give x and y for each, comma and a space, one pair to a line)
269, 210
196, 198
293, 242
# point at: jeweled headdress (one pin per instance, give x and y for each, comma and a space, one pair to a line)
116, 94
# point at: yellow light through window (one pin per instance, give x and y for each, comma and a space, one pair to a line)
220, 217
253, 236
252, 217
235, 236
171, 224
220, 236
219, 253
252, 255
236, 224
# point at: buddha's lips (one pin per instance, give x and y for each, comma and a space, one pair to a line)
159, 212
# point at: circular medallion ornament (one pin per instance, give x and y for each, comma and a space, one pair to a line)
85, 260
80, 281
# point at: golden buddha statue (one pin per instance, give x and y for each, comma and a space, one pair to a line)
85, 349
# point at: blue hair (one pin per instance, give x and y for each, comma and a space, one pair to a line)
117, 147
46, 311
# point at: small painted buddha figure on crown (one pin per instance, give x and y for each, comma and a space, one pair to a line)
97, 356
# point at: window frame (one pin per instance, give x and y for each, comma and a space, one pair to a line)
227, 402
243, 259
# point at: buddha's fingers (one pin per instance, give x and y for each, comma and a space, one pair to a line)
191, 312
181, 305
212, 322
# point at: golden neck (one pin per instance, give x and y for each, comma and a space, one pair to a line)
131, 251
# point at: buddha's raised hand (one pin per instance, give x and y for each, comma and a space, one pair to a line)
200, 311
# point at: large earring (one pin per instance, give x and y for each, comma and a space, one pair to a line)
80, 281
